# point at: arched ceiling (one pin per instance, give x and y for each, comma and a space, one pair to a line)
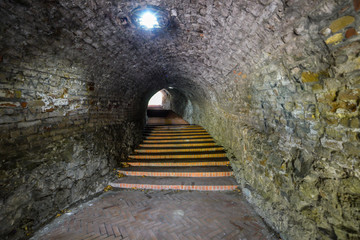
206, 40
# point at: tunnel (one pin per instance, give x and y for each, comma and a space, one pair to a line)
276, 83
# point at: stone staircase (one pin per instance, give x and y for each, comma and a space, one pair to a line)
177, 156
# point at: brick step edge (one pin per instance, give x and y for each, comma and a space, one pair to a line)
178, 150
175, 134
161, 141
175, 187
179, 156
176, 174
185, 137
175, 131
178, 164
178, 145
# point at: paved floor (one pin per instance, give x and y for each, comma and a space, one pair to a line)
165, 117
135, 214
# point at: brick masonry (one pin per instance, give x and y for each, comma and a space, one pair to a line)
275, 82
130, 214
291, 123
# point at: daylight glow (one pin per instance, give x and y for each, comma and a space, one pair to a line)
148, 20
156, 99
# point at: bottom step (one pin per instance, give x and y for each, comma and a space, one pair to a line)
165, 183
218, 171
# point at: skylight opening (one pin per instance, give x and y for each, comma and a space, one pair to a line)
148, 20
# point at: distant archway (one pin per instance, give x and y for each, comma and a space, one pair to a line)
161, 99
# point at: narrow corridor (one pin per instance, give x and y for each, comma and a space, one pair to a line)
86, 89
176, 155
173, 156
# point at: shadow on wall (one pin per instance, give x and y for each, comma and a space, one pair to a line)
182, 105
56, 148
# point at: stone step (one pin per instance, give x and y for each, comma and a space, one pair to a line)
177, 137
207, 139
173, 126
175, 131
178, 156
177, 134
177, 150
177, 145
178, 183
179, 162
220, 171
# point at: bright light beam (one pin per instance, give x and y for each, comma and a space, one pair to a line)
148, 20
156, 99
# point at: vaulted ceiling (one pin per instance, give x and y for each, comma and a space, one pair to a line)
205, 40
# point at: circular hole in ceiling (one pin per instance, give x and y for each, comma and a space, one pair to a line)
150, 17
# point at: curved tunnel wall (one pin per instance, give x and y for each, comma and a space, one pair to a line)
276, 82
291, 127
61, 136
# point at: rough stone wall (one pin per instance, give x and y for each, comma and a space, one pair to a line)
292, 127
166, 100
61, 135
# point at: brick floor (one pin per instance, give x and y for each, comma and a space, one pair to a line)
129, 214
219, 171
171, 118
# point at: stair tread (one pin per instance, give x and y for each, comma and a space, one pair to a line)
178, 153
187, 181
172, 146
178, 150
169, 125
174, 130
177, 137
175, 134
178, 141
177, 169
182, 157
181, 160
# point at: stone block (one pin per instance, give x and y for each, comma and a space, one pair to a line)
316, 88
309, 77
349, 95
351, 32
355, 123
352, 149
29, 124
341, 23
11, 119
332, 144
334, 133
356, 5
335, 39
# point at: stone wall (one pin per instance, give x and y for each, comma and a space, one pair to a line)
291, 125
62, 134
276, 82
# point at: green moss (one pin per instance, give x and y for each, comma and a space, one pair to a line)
18, 93
308, 77
317, 87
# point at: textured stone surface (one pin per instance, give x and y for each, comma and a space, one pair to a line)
60, 136
75, 74
291, 128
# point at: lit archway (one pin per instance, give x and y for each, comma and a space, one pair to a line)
161, 99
